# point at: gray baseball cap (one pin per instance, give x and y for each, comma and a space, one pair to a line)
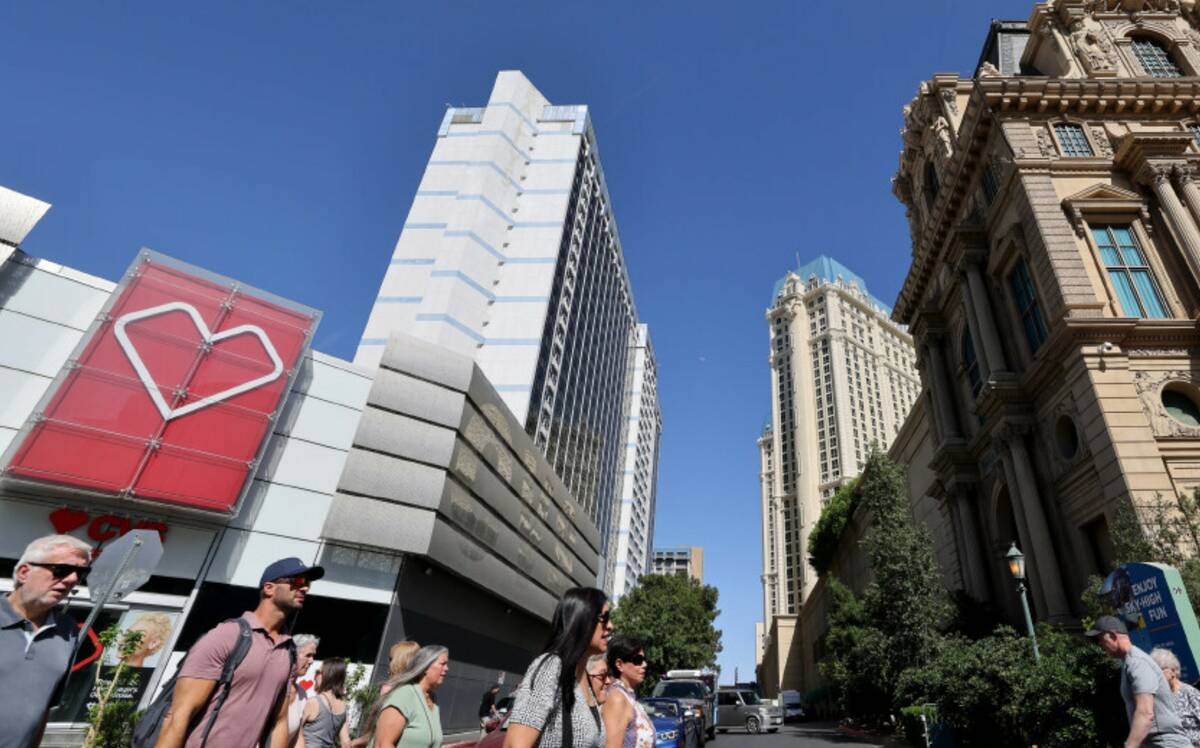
1108, 625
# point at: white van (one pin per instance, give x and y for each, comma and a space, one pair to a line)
793, 706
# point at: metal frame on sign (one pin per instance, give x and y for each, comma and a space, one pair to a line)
134, 271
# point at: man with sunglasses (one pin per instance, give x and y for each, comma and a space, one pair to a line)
253, 710
36, 641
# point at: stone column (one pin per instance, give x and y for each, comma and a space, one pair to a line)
1037, 592
941, 385
985, 367
987, 341
1185, 175
1041, 555
970, 542
1158, 176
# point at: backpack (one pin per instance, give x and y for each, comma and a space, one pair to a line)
145, 733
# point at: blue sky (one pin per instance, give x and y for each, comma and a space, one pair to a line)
281, 143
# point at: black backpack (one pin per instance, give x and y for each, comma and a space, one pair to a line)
145, 734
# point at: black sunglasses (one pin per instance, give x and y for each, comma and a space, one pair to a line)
62, 571
604, 618
637, 659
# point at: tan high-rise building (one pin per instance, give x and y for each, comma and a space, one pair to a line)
1054, 291
842, 379
682, 561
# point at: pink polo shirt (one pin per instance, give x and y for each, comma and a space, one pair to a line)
256, 686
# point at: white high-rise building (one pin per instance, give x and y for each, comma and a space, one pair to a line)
843, 377
635, 522
510, 254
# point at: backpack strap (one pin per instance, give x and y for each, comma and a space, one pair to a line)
236, 655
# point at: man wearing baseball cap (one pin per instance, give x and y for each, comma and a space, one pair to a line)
253, 711
1149, 702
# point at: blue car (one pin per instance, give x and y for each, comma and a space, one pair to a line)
674, 725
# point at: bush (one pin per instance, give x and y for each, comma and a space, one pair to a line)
992, 693
826, 535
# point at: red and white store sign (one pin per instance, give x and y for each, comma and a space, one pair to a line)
173, 393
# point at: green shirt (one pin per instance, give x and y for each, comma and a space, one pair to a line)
423, 725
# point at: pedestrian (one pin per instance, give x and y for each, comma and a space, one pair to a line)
255, 710
487, 707
408, 716
323, 724
601, 680
306, 652
1187, 698
400, 656
37, 641
556, 706
626, 723
1149, 703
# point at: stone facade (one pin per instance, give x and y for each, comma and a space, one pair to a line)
1053, 292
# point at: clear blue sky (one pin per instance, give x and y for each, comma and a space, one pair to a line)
281, 143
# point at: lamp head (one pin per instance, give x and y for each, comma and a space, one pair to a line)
1016, 562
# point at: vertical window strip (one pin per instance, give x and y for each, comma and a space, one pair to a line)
1073, 140
1154, 59
1129, 272
971, 363
1027, 306
1194, 128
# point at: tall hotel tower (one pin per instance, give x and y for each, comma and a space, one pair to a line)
510, 254
843, 377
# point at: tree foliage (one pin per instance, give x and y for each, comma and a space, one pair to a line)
675, 617
1164, 530
992, 693
826, 535
111, 718
897, 623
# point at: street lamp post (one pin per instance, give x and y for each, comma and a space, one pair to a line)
1016, 567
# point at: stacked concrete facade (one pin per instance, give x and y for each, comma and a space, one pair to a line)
842, 380
510, 255
1055, 283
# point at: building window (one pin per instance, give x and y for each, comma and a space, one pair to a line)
1028, 308
1129, 272
1072, 140
931, 184
1154, 59
970, 363
1194, 129
991, 185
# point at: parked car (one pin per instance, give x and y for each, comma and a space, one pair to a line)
793, 706
694, 689
502, 708
737, 708
495, 736
675, 726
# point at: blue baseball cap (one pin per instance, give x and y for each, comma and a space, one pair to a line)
290, 567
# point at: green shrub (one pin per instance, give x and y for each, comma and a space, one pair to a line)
993, 694
827, 533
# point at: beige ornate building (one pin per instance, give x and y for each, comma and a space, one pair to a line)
843, 377
1054, 290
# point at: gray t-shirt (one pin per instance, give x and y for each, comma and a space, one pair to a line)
537, 704
1140, 674
33, 664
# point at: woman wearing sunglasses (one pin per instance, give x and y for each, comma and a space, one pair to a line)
556, 705
625, 720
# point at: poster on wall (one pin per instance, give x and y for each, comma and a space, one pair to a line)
173, 393
156, 627
1154, 604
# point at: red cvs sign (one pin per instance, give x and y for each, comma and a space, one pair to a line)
173, 393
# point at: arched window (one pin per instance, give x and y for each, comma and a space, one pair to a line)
970, 362
1154, 59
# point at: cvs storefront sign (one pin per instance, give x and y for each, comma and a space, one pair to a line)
172, 394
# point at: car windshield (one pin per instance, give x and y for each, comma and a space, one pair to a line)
680, 689
661, 709
750, 697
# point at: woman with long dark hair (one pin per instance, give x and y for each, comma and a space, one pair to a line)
625, 720
556, 705
323, 723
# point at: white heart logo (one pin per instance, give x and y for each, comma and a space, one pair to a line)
209, 338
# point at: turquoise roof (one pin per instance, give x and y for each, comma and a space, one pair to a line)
828, 269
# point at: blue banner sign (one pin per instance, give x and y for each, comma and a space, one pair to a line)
1154, 604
